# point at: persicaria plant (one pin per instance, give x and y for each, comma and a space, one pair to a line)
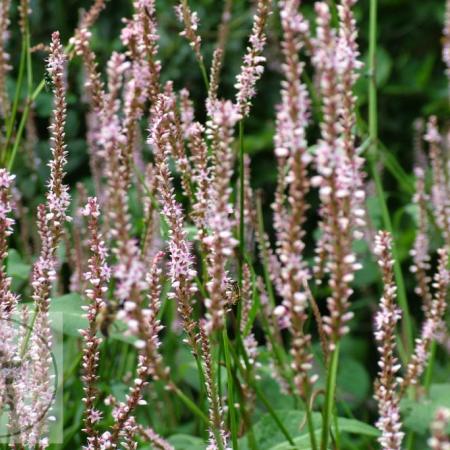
203, 307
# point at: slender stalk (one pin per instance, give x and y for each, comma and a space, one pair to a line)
329, 396
279, 351
12, 117
254, 385
265, 261
204, 75
24, 66
23, 120
29, 60
190, 404
241, 200
273, 414
309, 419
429, 372
410, 441
230, 384
336, 436
407, 334
241, 219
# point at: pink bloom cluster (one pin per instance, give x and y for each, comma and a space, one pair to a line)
190, 20
440, 438
386, 386
8, 300
338, 165
252, 66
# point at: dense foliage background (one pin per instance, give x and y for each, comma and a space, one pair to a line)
412, 85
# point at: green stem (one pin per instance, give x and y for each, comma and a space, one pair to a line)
12, 118
29, 60
241, 219
23, 122
265, 258
329, 396
410, 440
215, 406
337, 439
241, 200
230, 384
279, 351
274, 415
190, 404
407, 334
309, 419
261, 396
31, 99
204, 74
430, 367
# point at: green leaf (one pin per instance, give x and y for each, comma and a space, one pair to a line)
419, 414
301, 443
16, 268
70, 307
186, 442
268, 435
353, 382
44, 105
374, 209
186, 368
383, 67
354, 426
368, 274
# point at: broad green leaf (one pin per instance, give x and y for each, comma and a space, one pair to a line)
70, 307
186, 442
419, 414
301, 443
354, 426
269, 436
353, 382
16, 268
186, 368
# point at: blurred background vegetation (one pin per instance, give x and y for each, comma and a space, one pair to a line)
411, 81
410, 72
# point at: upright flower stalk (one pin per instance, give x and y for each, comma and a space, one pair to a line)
190, 21
420, 251
217, 434
5, 66
252, 65
181, 267
51, 218
144, 322
290, 210
53, 215
446, 40
219, 216
97, 278
386, 385
434, 316
336, 180
8, 300
335, 57
440, 438
440, 193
